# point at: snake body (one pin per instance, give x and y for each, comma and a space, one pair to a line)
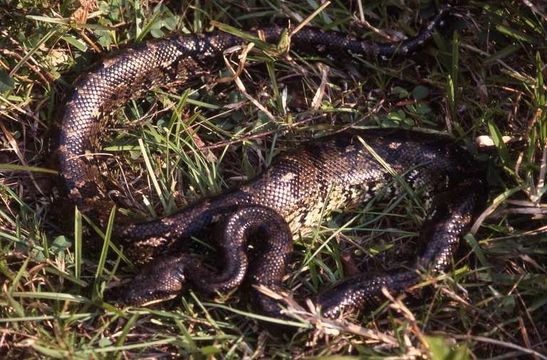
339, 171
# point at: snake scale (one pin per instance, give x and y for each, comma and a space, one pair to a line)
338, 171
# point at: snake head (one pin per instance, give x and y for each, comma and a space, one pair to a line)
159, 280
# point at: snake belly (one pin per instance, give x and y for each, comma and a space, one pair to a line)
337, 172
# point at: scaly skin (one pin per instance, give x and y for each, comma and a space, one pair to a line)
294, 189
336, 173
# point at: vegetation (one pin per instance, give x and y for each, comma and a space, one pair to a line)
483, 75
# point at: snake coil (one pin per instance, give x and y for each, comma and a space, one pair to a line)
331, 174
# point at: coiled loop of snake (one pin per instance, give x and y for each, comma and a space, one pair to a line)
286, 195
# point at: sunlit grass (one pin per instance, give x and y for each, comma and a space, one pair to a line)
481, 75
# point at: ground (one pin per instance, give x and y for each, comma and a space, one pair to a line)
481, 80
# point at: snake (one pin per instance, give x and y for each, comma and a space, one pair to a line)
335, 172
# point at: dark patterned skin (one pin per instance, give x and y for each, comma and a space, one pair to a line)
335, 173
175, 60
273, 242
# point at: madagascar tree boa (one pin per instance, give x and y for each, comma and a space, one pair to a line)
339, 171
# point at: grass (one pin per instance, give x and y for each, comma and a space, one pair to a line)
172, 147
